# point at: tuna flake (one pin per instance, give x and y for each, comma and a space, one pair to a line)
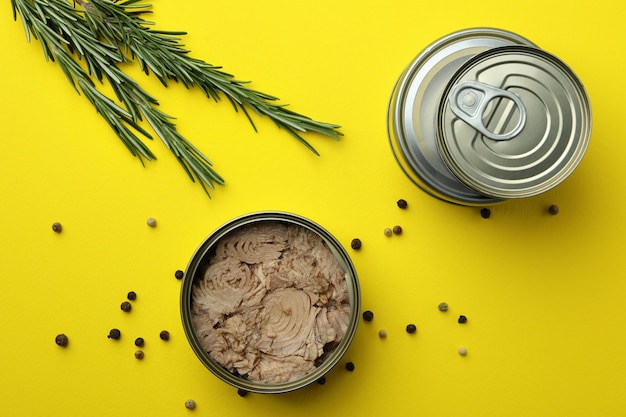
272, 302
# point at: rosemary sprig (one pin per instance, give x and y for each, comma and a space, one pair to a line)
104, 34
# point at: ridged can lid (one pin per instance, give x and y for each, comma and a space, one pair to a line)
513, 122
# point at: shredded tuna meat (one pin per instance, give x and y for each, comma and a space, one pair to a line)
272, 301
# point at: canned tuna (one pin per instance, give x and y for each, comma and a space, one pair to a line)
484, 115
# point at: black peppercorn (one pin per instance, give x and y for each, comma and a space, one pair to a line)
411, 328
402, 203
61, 340
553, 209
242, 392
350, 366
139, 354
397, 230
164, 335
132, 295
462, 319
368, 315
179, 274
355, 244
139, 342
57, 227
485, 213
114, 334
321, 380
126, 306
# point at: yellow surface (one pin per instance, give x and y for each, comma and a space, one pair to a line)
544, 295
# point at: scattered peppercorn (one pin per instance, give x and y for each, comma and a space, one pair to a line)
402, 203
139, 354
190, 404
164, 335
132, 295
139, 342
397, 230
443, 306
553, 209
350, 366
368, 315
485, 213
114, 334
462, 319
388, 232
61, 340
179, 274
462, 351
151, 222
57, 227
411, 328
126, 306
321, 380
382, 334
356, 243
242, 392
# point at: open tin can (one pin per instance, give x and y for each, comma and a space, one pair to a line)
483, 115
261, 336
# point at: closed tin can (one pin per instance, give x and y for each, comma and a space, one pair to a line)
483, 115
204, 257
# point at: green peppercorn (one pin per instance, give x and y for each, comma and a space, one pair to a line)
132, 295
126, 306
179, 274
443, 306
164, 335
402, 203
462, 319
114, 334
350, 366
485, 213
242, 392
139, 354
151, 222
397, 230
190, 404
368, 315
411, 328
139, 342
57, 227
553, 209
61, 340
355, 244
382, 334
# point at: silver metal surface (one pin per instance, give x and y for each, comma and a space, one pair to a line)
469, 100
546, 108
195, 271
412, 113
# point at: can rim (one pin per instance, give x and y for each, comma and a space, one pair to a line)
191, 274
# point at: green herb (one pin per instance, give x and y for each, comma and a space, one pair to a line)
92, 39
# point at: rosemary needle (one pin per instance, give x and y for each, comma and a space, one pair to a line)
104, 34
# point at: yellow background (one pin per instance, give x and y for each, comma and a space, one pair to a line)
544, 295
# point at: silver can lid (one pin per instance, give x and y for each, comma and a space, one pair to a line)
513, 122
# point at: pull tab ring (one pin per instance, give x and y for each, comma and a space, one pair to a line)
469, 99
